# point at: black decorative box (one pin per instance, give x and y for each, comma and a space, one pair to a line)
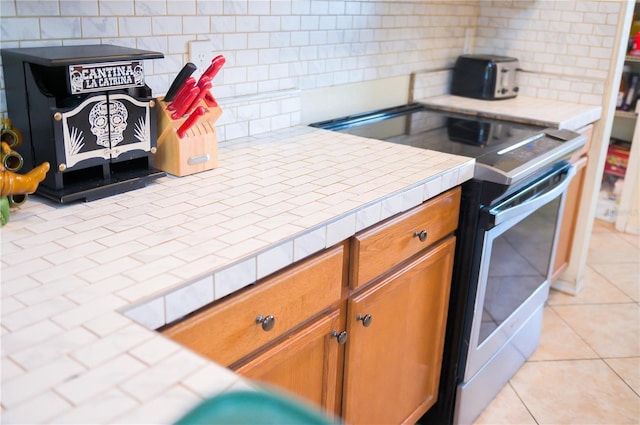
88, 112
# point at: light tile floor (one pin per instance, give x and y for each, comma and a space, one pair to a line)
587, 367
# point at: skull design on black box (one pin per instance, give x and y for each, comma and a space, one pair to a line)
108, 121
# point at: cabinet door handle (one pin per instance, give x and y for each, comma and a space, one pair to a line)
341, 337
366, 319
268, 322
422, 235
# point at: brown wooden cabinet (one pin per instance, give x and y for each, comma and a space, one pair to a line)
572, 204
237, 326
278, 331
396, 336
397, 272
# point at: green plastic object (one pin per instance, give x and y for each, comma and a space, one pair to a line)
253, 407
4, 210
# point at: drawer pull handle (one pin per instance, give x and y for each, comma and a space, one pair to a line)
268, 322
422, 235
341, 337
366, 319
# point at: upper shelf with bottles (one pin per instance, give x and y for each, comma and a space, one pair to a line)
630, 82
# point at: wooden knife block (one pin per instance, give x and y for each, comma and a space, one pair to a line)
196, 151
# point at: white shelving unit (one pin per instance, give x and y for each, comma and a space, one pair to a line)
622, 207
628, 215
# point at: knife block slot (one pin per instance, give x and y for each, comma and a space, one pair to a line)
197, 151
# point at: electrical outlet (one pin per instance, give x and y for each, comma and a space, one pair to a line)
469, 40
200, 54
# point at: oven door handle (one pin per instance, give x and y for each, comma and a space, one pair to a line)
500, 216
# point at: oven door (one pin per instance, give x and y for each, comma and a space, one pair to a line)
518, 250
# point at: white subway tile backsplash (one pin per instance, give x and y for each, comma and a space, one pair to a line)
116, 7
100, 27
209, 7
60, 28
166, 25
259, 7
19, 29
134, 26
181, 7
290, 23
235, 42
150, 7
224, 24
37, 8
8, 8
269, 23
192, 25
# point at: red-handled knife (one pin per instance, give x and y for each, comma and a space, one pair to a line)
179, 112
216, 64
204, 89
210, 100
182, 93
203, 79
190, 121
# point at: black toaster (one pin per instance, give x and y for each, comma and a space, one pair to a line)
488, 77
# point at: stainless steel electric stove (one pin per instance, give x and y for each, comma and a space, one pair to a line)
506, 240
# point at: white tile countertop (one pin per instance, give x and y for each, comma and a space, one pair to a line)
543, 112
84, 285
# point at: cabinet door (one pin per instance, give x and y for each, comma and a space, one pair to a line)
104, 127
305, 364
131, 127
396, 336
569, 218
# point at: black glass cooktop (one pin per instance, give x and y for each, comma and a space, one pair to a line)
504, 151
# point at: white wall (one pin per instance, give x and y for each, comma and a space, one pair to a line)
274, 49
565, 47
277, 49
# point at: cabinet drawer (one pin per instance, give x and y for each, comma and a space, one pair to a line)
229, 331
380, 248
